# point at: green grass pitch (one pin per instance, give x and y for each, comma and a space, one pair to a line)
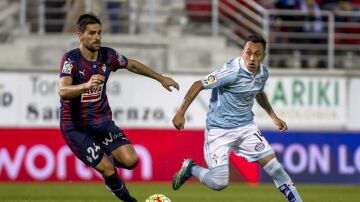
190, 192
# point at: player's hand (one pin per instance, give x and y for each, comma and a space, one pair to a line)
168, 82
179, 121
95, 80
280, 124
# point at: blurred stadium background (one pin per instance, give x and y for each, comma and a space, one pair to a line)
313, 55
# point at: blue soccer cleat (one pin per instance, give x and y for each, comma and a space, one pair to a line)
183, 174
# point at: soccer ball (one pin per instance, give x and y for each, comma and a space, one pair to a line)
158, 198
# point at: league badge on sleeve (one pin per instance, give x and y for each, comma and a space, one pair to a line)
210, 79
121, 59
67, 67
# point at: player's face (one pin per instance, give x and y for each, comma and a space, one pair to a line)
253, 55
91, 37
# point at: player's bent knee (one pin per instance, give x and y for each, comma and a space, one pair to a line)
129, 161
220, 183
218, 187
131, 164
218, 178
126, 161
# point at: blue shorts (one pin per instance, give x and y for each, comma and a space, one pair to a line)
89, 144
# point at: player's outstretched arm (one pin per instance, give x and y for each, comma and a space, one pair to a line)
263, 101
139, 68
68, 91
179, 118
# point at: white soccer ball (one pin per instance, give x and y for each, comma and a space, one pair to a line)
158, 198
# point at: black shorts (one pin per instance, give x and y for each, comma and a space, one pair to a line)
90, 144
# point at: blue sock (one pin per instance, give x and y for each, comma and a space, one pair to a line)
117, 187
282, 180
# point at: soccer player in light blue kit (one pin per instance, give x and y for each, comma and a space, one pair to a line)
230, 125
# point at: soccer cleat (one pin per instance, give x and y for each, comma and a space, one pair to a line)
183, 174
124, 195
133, 199
127, 198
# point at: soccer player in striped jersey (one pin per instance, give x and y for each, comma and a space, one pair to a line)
86, 118
230, 125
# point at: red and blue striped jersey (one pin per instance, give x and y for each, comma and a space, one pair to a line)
91, 107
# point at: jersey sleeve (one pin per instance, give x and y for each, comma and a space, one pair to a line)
118, 61
220, 77
264, 78
67, 66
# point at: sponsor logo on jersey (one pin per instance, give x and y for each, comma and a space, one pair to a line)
67, 67
112, 137
93, 94
210, 79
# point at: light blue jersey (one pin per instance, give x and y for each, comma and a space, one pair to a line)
234, 90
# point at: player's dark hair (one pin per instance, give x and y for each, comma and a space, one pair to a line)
86, 19
255, 38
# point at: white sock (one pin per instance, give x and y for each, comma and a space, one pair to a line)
282, 180
199, 172
216, 178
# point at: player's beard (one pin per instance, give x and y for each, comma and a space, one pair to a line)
93, 47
